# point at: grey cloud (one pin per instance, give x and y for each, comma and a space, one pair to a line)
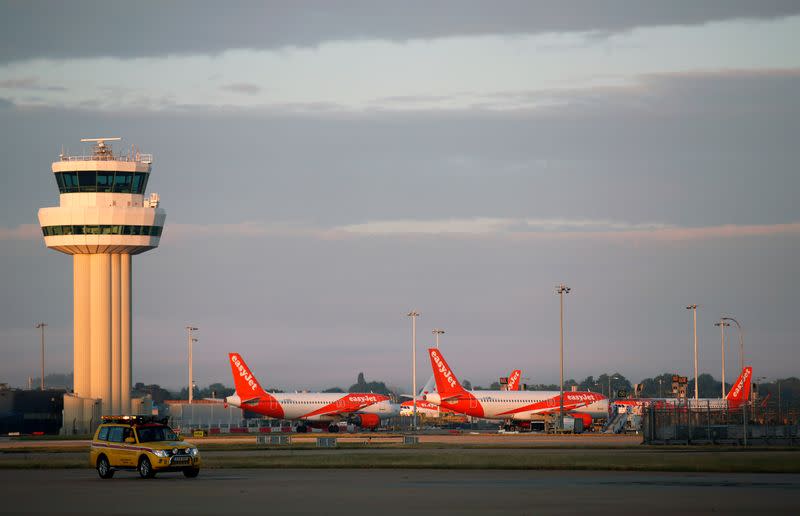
689, 150
60, 30
20, 83
242, 87
724, 92
686, 149
28, 83
5, 104
295, 109
412, 99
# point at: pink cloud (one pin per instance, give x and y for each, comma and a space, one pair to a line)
499, 230
21, 232
422, 229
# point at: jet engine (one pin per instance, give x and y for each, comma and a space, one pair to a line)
587, 419
369, 421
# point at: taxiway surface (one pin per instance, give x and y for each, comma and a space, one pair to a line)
297, 491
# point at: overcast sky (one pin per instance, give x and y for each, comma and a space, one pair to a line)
328, 166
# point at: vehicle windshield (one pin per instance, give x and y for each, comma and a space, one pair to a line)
156, 433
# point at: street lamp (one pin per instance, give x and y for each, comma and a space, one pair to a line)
561, 290
741, 340
722, 324
42, 325
436, 332
192, 340
693, 308
615, 377
414, 314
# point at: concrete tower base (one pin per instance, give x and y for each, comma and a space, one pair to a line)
82, 416
102, 329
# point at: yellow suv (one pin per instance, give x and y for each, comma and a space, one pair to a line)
142, 443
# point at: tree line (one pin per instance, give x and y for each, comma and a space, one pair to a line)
616, 384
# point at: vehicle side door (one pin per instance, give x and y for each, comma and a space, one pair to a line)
99, 445
131, 452
122, 452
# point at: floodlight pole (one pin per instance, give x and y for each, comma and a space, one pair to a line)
693, 308
741, 340
42, 325
722, 324
192, 340
561, 290
414, 314
436, 332
611, 377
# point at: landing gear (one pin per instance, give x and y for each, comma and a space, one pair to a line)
517, 427
302, 429
334, 429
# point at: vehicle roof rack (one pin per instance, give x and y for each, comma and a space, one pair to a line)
135, 420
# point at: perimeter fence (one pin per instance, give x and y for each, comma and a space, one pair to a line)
698, 424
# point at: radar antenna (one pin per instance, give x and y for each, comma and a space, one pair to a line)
101, 140
101, 150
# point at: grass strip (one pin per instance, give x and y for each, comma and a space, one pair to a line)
708, 461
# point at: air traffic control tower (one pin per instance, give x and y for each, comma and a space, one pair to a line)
102, 220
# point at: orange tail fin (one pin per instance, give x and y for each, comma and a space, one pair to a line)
447, 384
513, 380
740, 391
246, 385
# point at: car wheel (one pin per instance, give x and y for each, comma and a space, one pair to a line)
104, 468
191, 472
145, 468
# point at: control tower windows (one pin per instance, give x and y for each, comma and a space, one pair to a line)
102, 229
123, 182
139, 182
105, 180
145, 177
102, 181
67, 182
87, 181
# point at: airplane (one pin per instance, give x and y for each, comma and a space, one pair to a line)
734, 399
510, 405
428, 409
513, 380
312, 409
424, 408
